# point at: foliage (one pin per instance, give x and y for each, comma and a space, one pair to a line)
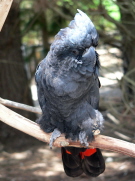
57, 14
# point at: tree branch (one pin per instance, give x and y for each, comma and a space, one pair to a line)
31, 128
119, 25
20, 106
4, 9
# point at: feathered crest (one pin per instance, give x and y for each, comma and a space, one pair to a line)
80, 32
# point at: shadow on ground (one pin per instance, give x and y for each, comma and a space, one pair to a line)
39, 163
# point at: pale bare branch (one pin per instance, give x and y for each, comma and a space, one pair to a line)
4, 9
31, 128
20, 106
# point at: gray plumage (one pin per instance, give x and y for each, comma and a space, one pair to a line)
67, 82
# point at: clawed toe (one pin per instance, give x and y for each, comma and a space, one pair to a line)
83, 138
98, 123
55, 134
99, 119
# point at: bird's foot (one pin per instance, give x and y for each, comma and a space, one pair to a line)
90, 128
98, 123
55, 134
83, 138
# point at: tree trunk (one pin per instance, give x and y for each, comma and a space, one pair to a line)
13, 79
128, 48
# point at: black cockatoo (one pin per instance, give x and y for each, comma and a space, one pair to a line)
68, 93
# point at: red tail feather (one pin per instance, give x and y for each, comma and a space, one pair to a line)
68, 152
82, 160
88, 152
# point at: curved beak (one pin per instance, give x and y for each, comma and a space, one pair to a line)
89, 59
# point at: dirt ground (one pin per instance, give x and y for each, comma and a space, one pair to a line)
27, 159
38, 163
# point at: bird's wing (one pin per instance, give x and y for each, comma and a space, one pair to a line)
38, 79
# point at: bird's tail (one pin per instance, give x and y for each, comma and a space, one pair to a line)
82, 160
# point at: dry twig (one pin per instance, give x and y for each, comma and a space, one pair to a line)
29, 127
20, 106
4, 9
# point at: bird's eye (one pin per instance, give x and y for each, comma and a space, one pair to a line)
75, 52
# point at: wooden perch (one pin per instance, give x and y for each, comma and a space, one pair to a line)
20, 106
4, 9
31, 128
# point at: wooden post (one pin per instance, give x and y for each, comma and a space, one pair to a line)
4, 9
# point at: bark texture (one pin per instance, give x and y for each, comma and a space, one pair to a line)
13, 78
